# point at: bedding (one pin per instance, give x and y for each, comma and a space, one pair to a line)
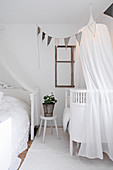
20, 114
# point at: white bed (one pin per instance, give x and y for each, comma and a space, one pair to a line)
73, 116
22, 120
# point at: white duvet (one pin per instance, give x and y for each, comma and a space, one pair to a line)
18, 111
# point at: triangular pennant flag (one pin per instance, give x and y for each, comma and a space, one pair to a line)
38, 30
56, 42
66, 41
49, 40
109, 11
78, 37
43, 35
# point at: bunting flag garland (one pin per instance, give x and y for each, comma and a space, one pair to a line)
38, 30
91, 26
56, 42
49, 40
66, 41
43, 35
78, 37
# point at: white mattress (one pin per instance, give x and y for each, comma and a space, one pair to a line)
76, 126
18, 111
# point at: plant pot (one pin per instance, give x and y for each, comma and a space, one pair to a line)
48, 109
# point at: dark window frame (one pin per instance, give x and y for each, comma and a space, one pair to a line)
72, 65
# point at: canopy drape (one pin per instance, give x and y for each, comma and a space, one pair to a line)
11, 71
95, 54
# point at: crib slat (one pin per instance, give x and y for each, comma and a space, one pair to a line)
78, 96
82, 97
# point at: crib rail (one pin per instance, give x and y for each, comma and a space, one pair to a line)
78, 96
75, 96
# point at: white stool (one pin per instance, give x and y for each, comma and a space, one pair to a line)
45, 124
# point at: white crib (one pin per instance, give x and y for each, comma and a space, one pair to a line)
75, 99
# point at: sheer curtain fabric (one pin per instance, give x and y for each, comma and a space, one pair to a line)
96, 56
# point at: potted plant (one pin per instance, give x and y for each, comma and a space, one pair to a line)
48, 104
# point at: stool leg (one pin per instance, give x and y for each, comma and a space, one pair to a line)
56, 128
71, 147
45, 124
40, 127
51, 127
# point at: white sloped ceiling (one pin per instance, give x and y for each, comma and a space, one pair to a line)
50, 11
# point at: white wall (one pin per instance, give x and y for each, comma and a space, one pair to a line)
41, 67
22, 40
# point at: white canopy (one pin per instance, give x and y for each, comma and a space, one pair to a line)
95, 56
11, 71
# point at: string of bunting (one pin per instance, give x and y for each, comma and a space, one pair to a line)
91, 27
57, 40
78, 36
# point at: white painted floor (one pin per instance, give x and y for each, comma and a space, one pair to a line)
54, 155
